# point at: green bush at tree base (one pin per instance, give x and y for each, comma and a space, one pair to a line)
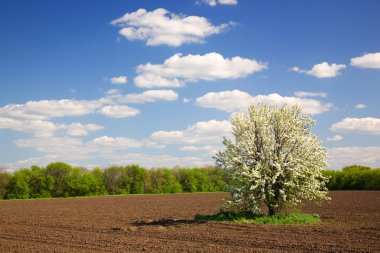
247, 217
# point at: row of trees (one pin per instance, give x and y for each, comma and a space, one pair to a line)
61, 180
353, 177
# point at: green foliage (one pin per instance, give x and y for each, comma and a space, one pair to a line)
4, 181
61, 180
18, 187
354, 177
82, 183
215, 179
209, 179
137, 176
99, 186
187, 179
60, 172
249, 217
162, 180
40, 184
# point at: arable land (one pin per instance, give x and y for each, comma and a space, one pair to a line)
165, 223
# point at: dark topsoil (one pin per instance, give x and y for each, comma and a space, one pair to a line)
164, 223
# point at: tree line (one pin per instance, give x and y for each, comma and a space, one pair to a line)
354, 177
62, 180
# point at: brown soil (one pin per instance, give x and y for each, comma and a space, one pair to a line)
164, 223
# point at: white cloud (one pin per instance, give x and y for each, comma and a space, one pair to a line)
211, 131
229, 101
371, 61
344, 156
116, 96
75, 149
148, 80
118, 111
360, 106
236, 100
47, 128
161, 27
116, 143
186, 100
79, 129
297, 69
151, 96
119, 80
178, 70
37, 127
156, 161
45, 109
215, 2
210, 150
111, 143
322, 70
335, 138
228, 2
358, 125
54, 145
304, 94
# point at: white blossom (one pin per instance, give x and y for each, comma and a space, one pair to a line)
274, 160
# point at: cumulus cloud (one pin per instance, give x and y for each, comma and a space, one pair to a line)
178, 70
210, 150
119, 80
35, 116
215, 2
116, 96
358, 125
116, 143
360, 106
47, 128
322, 70
371, 61
45, 109
79, 129
74, 148
211, 131
344, 156
236, 100
54, 145
305, 94
161, 27
158, 161
151, 96
335, 138
37, 127
118, 111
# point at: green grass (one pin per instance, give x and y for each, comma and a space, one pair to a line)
246, 217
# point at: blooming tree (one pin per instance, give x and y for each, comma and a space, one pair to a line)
274, 160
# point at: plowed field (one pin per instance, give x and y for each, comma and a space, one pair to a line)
164, 223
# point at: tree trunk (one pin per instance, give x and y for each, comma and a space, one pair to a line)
271, 211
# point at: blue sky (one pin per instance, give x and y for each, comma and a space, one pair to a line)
154, 82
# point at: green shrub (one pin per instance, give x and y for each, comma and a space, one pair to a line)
248, 217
